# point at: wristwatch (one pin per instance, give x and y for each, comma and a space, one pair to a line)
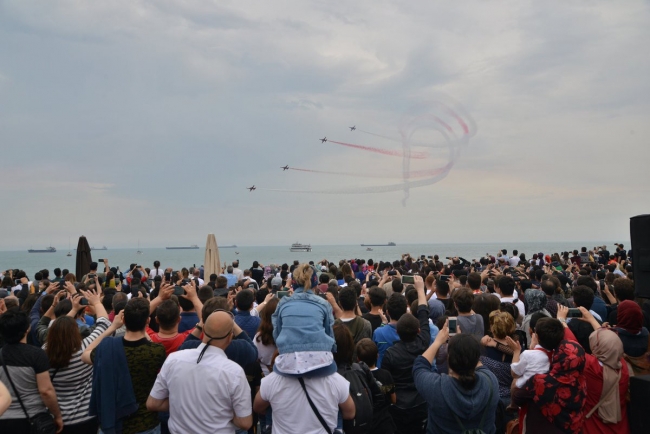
198, 327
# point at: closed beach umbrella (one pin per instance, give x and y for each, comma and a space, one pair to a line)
211, 263
83, 258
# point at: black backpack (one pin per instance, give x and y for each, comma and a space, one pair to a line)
361, 393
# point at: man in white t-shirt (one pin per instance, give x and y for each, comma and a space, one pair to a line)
514, 259
291, 410
236, 271
202, 389
506, 292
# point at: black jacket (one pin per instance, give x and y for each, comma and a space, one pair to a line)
399, 359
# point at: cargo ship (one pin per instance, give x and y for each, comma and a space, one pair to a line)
192, 247
48, 250
99, 248
390, 244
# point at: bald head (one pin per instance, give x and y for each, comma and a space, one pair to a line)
218, 325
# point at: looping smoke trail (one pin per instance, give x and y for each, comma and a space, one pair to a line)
415, 155
453, 124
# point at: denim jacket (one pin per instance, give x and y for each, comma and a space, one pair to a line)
303, 322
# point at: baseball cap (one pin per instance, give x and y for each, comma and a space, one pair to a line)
276, 282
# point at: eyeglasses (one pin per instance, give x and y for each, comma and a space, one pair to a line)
215, 338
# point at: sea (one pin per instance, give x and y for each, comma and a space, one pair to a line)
266, 255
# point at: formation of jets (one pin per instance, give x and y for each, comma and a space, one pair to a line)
323, 140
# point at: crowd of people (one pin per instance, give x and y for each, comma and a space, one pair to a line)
504, 343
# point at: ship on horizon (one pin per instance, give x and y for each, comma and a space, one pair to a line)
192, 247
47, 250
390, 244
99, 248
297, 247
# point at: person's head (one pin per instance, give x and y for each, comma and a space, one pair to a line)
14, 325
302, 275
222, 282
550, 332
12, 302
93, 267
213, 277
324, 278
483, 305
397, 286
229, 269
536, 300
507, 286
63, 340
607, 347
266, 324
624, 289
396, 306
509, 308
583, 296
629, 317
205, 293
136, 314
463, 299
548, 287
367, 352
218, 329
442, 288
244, 300
502, 324
587, 281
464, 351
377, 296
408, 328
344, 345
168, 315
474, 281
347, 299
533, 321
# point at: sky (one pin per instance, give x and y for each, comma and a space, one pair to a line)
146, 120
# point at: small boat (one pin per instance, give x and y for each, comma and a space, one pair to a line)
368, 249
234, 246
236, 253
192, 247
69, 254
390, 244
99, 248
297, 247
46, 250
139, 252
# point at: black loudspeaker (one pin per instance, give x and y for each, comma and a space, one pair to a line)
640, 236
638, 414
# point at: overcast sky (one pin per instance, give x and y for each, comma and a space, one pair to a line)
129, 120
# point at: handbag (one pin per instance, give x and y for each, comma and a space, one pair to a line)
42, 423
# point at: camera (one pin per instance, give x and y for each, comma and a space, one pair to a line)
178, 291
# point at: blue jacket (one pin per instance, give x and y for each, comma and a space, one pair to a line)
247, 322
112, 396
303, 322
384, 337
445, 398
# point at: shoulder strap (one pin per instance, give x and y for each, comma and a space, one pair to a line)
313, 407
4, 366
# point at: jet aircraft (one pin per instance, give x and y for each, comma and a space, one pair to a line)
285, 168
323, 140
251, 188
353, 128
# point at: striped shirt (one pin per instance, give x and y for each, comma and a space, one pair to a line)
73, 384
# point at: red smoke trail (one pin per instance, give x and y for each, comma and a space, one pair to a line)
414, 155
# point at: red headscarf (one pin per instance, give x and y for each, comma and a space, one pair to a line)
629, 317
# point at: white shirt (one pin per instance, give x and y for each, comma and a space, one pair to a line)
203, 397
531, 362
518, 303
514, 261
153, 273
264, 354
291, 411
237, 272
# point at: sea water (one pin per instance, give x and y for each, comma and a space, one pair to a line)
266, 255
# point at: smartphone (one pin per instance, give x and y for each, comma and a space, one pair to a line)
452, 325
408, 279
84, 301
100, 260
574, 313
445, 277
392, 273
281, 294
178, 290
168, 276
323, 296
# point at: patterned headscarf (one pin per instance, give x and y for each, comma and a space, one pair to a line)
561, 394
536, 300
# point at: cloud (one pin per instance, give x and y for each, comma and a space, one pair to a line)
141, 104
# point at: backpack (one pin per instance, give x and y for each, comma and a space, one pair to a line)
362, 394
477, 430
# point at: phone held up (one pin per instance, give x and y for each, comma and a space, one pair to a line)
282, 293
408, 279
574, 313
452, 325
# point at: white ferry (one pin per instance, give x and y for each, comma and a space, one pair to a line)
297, 247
